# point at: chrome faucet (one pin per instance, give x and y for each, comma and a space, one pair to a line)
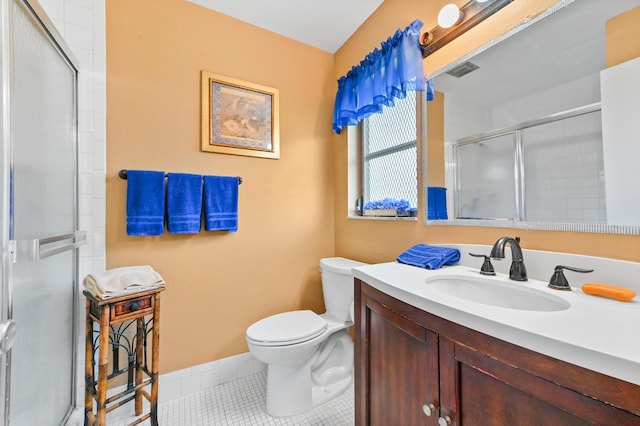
518, 272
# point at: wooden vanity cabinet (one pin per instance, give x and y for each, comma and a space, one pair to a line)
414, 368
402, 367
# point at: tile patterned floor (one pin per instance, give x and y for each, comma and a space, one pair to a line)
242, 402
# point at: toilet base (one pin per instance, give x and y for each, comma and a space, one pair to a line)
295, 389
322, 394
284, 398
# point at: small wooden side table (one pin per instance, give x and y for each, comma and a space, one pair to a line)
114, 316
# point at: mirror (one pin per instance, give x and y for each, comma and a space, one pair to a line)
535, 136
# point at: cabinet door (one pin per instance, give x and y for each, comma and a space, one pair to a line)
480, 390
401, 373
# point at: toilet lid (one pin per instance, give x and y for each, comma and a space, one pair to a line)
287, 328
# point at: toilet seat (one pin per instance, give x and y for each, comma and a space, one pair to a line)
287, 328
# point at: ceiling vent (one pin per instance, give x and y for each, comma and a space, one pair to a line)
462, 69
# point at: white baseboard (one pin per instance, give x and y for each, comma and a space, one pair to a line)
190, 380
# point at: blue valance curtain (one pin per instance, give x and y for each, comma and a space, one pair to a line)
384, 74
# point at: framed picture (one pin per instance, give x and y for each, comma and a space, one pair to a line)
239, 117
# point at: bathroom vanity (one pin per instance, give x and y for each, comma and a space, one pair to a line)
427, 356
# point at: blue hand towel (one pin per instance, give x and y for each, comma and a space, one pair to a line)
431, 203
441, 203
145, 202
430, 257
221, 203
184, 203
436, 203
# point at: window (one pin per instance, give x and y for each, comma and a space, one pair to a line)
389, 153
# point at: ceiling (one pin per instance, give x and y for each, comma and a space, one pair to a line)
324, 24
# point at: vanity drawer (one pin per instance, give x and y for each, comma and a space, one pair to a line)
132, 308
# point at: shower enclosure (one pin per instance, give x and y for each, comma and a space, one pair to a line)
38, 219
549, 169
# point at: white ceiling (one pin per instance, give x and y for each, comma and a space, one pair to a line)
325, 24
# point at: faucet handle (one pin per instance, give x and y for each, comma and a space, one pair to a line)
559, 282
487, 267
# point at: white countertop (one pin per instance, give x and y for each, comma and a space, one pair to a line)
594, 332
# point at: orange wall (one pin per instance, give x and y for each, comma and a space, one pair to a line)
292, 210
378, 241
218, 283
623, 37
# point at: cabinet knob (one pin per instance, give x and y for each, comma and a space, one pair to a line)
134, 306
444, 421
429, 409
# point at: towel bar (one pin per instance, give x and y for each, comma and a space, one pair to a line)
123, 175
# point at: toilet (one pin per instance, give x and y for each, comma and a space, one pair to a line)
309, 357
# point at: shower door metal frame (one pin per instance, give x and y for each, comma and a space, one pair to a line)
15, 251
518, 157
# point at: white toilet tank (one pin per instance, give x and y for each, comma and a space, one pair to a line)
337, 285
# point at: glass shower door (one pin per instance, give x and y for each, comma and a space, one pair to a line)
485, 180
42, 270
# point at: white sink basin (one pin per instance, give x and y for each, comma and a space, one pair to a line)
490, 291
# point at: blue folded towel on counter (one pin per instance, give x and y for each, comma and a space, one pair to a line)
184, 203
221, 203
145, 202
429, 257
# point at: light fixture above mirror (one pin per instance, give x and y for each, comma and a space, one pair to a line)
449, 16
454, 21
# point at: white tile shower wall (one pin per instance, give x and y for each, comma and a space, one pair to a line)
82, 25
572, 94
190, 380
566, 183
564, 171
464, 118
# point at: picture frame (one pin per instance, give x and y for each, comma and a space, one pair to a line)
239, 117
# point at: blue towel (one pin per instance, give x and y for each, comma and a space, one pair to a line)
431, 203
436, 203
184, 203
145, 202
430, 257
221, 203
